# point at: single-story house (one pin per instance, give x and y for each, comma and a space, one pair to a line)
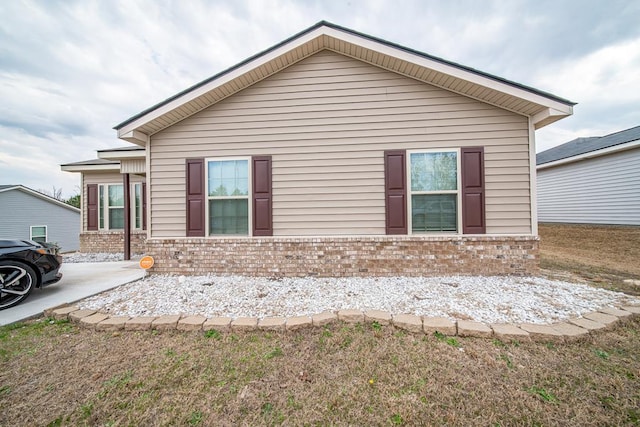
333, 153
592, 180
28, 214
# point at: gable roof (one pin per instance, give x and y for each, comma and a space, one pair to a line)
593, 146
542, 107
27, 190
92, 165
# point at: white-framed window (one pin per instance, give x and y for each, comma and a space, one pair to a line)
136, 206
111, 209
228, 196
38, 233
111, 206
434, 191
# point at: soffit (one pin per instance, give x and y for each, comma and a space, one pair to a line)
543, 108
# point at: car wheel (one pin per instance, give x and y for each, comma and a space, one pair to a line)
16, 281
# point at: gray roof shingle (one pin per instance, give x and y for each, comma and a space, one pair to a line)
93, 162
586, 145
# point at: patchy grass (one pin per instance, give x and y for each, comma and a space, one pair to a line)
363, 374
81, 377
601, 255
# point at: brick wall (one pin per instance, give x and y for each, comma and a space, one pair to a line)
346, 256
111, 241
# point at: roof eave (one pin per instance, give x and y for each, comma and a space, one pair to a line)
122, 155
551, 115
44, 197
91, 168
591, 154
557, 107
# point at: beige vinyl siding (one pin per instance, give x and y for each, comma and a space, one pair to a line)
101, 178
326, 122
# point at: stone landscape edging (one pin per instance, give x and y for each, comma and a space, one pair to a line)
572, 329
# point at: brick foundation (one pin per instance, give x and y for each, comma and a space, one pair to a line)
346, 256
111, 241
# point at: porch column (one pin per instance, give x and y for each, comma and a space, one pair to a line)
127, 217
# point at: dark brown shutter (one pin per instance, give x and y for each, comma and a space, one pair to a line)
395, 190
144, 205
195, 197
262, 200
92, 207
473, 215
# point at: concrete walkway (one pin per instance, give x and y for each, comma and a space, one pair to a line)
80, 280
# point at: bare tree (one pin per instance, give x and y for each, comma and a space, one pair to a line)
56, 193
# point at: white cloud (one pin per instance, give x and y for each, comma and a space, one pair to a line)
606, 85
71, 70
609, 73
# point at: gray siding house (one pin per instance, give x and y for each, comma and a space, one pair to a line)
27, 214
333, 153
591, 180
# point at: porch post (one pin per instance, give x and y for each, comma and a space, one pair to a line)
127, 217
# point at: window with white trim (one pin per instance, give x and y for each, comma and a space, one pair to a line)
434, 191
38, 233
111, 206
136, 206
228, 196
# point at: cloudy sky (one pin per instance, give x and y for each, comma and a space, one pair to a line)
71, 70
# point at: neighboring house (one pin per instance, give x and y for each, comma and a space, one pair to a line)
334, 153
27, 214
591, 180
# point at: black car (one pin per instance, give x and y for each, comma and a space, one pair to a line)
25, 264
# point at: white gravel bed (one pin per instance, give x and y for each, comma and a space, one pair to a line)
484, 299
77, 257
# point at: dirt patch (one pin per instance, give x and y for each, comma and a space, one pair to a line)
606, 256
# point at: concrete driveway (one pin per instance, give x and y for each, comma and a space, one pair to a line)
79, 280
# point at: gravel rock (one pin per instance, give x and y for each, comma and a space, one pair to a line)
483, 299
77, 257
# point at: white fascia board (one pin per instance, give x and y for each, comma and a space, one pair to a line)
131, 127
550, 115
90, 168
451, 70
9, 188
121, 155
126, 132
591, 154
45, 197
134, 136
